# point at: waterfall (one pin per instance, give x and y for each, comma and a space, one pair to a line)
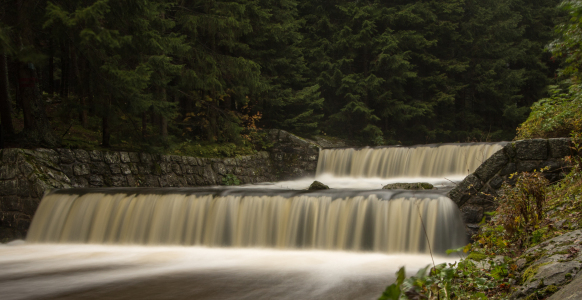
419, 161
379, 221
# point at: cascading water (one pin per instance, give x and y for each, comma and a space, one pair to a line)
393, 162
379, 221
254, 242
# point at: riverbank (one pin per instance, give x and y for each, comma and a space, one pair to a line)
529, 248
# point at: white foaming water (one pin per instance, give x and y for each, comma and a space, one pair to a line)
372, 183
401, 162
64, 271
159, 271
379, 221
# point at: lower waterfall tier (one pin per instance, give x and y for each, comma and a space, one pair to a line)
379, 221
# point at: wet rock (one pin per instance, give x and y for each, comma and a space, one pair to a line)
496, 182
145, 157
82, 156
96, 155
177, 169
559, 147
556, 262
571, 291
472, 213
532, 149
66, 156
99, 168
409, 186
81, 169
316, 185
124, 156
528, 166
491, 166
111, 157
471, 185
8, 172
133, 157
96, 180
125, 169
510, 168
520, 263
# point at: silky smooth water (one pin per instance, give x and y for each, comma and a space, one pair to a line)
264, 241
435, 161
379, 221
82, 271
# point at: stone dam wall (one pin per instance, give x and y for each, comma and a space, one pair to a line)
25, 174
476, 194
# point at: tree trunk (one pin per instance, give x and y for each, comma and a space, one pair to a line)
51, 69
37, 128
163, 119
106, 139
144, 125
64, 70
5, 104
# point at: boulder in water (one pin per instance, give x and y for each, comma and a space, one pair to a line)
409, 186
316, 185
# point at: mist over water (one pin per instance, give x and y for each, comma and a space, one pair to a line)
64, 271
262, 241
379, 221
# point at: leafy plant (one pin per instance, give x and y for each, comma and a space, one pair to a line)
230, 179
522, 207
463, 280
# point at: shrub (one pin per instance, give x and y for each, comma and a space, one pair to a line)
230, 179
522, 207
555, 116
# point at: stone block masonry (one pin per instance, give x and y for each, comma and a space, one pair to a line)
293, 157
476, 194
25, 175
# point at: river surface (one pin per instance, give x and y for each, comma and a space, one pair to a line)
127, 243
64, 271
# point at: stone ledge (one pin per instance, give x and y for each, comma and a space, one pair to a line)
474, 195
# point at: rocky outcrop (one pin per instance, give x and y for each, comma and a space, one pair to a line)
572, 291
409, 186
476, 193
550, 265
316, 186
293, 157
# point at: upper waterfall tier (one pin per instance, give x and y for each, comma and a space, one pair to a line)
420, 161
380, 221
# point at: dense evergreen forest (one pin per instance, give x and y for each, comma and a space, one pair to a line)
159, 73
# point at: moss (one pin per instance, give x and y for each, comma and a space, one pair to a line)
316, 185
551, 289
530, 272
157, 169
476, 256
542, 293
426, 185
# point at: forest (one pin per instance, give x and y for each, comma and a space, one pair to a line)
166, 74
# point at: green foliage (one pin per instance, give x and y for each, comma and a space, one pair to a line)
476, 256
206, 149
561, 113
522, 207
159, 72
555, 116
461, 280
230, 179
